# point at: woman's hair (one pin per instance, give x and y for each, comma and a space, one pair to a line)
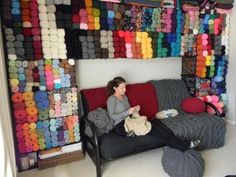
114, 83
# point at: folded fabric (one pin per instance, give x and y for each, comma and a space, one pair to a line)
101, 120
166, 113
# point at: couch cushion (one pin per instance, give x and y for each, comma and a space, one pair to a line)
145, 96
142, 93
94, 98
113, 145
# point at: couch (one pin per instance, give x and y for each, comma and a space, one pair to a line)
152, 96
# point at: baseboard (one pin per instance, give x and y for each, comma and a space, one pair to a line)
231, 122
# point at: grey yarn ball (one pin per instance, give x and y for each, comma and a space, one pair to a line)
183, 164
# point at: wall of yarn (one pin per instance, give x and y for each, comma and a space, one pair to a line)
78, 29
42, 80
111, 30
45, 103
205, 48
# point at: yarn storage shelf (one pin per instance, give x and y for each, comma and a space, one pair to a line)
188, 73
46, 116
60, 159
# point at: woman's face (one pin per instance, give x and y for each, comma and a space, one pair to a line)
121, 89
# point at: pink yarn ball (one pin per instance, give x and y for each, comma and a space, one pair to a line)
220, 104
208, 98
215, 98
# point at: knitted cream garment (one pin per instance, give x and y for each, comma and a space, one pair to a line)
138, 124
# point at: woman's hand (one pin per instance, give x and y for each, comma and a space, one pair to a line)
134, 109
137, 108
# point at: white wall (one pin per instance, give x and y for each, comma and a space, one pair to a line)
9, 164
231, 76
96, 73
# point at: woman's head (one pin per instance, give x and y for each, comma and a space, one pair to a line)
117, 85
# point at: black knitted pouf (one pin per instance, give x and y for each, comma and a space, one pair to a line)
182, 164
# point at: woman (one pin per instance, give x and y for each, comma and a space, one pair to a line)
118, 108
118, 105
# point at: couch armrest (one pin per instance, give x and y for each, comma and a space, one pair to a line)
94, 152
213, 107
94, 139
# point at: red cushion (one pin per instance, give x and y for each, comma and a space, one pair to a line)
143, 94
96, 97
193, 105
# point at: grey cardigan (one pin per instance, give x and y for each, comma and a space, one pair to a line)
118, 109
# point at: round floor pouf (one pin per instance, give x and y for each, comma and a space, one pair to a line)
182, 164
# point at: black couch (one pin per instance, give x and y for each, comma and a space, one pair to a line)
210, 129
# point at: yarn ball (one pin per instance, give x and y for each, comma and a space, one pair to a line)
182, 164
193, 105
215, 100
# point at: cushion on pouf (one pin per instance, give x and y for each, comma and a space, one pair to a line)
182, 164
193, 105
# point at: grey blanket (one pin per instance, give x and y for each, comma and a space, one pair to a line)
210, 129
170, 93
101, 120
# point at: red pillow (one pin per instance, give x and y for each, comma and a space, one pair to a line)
193, 105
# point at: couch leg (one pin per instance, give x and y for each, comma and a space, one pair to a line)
98, 169
98, 163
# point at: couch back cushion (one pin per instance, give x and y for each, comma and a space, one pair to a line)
94, 98
142, 93
170, 93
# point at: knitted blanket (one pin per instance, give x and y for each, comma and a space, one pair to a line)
170, 93
210, 129
101, 120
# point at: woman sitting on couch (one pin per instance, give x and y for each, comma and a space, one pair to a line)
118, 108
